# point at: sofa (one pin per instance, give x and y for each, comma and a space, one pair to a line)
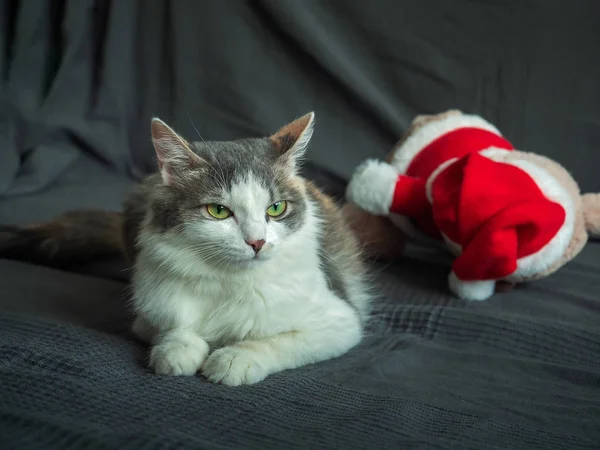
81, 81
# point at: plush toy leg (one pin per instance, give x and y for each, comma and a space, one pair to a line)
503, 286
471, 290
380, 238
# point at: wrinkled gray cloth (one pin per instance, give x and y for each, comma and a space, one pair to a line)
82, 79
79, 82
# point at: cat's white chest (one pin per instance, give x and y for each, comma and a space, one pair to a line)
223, 309
281, 294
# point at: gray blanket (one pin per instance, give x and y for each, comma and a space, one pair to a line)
80, 81
520, 371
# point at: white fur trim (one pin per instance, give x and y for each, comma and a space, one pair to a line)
489, 153
471, 290
434, 175
553, 250
493, 152
428, 133
372, 187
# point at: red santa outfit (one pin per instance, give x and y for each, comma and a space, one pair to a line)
451, 180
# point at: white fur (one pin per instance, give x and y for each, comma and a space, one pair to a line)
372, 187
425, 135
494, 152
478, 290
178, 352
436, 173
258, 316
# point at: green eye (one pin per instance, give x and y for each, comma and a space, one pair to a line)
218, 211
277, 209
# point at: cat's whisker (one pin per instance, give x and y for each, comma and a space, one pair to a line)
161, 266
329, 258
223, 261
220, 173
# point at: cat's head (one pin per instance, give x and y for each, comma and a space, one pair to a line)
234, 203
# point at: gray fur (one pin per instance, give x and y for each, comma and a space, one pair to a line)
340, 255
223, 164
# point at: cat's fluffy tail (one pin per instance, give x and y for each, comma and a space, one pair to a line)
72, 238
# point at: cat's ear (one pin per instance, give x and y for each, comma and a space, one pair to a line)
173, 153
291, 140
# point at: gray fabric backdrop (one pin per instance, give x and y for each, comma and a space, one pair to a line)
85, 77
80, 81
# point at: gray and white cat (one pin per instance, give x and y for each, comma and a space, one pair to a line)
241, 268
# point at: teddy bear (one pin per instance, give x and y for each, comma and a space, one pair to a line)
507, 216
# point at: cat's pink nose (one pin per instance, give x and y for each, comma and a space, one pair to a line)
256, 244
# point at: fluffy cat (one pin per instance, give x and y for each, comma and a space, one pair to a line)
239, 255
241, 268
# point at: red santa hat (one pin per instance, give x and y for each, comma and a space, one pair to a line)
496, 213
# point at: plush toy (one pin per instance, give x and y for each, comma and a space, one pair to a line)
505, 214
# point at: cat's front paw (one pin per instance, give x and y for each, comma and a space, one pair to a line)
235, 366
181, 354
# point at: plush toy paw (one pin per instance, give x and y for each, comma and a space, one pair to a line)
372, 187
503, 286
471, 290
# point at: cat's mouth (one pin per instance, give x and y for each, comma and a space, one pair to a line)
255, 259
241, 263
248, 264
243, 260
259, 258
